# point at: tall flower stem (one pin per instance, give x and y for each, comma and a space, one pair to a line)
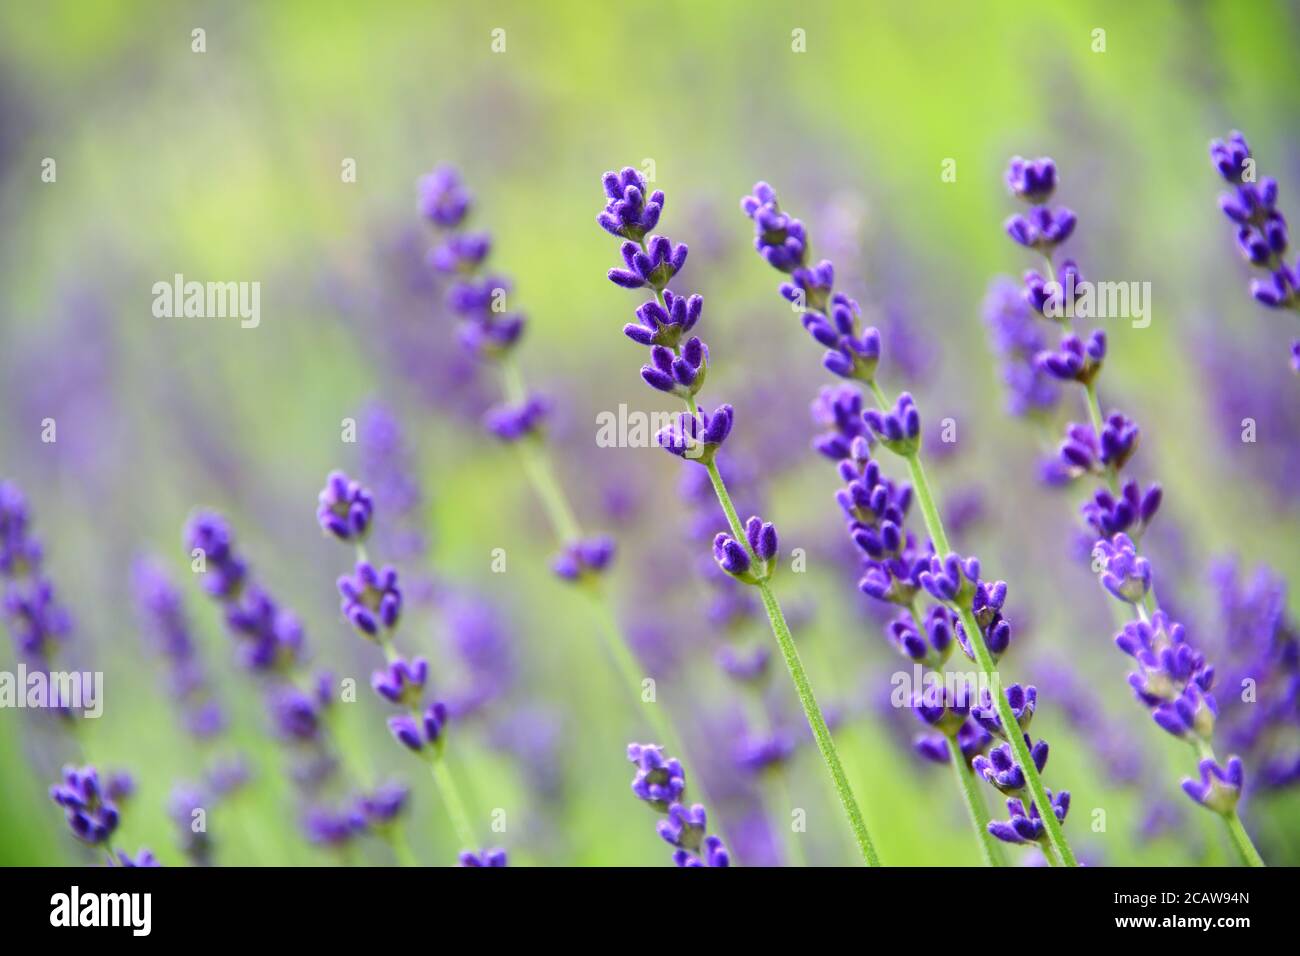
811, 710
564, 523
451, 799
934, 525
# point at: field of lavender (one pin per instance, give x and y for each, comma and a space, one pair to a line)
574, 435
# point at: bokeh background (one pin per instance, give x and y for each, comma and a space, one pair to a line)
226, 165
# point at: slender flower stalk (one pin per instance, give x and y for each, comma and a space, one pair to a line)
162, 611
1173, 679
491, 333
38, 622
270, 643
678, 366
896, 568
372, 603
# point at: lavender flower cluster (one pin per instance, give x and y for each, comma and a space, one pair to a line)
90, 807
477, 298
38, 623
491, 333
660, 782
371, 601
1262, 235
270, 642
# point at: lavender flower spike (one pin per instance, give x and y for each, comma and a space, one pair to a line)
1261, 227
652, 263
372, 603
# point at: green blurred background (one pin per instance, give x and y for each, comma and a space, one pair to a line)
225, 165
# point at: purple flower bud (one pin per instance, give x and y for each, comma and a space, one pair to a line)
1022, 700
749, 668
1026, 826
1124, 573
628, 214
1032, 180
407, 732
1074, 360
494, 857
1042, 228
1108, 515
1229, 156
1219, 789
899, 429
580, 559
371, 598
778, 238
461, 252
208, 536
401, 682
345, 508
512, 422
697, 437
384, 804
442, 198
659, 780
951, 580
434, 722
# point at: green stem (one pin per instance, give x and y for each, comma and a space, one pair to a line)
925, 498
395, 837
990, 847
631, 672
564, 522
811, 710
1241, 840
451, 800
803, 688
